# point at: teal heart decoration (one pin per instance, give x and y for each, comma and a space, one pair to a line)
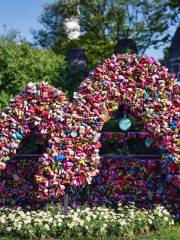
148, 142
125, 124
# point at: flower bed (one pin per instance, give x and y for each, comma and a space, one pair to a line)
83, 222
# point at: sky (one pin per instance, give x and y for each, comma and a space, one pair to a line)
22, 15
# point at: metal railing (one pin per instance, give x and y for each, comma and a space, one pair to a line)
113, 157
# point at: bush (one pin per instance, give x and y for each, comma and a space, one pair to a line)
20, 64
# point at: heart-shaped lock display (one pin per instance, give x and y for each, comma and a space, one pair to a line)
73, 128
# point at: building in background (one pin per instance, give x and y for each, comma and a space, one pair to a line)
174, 60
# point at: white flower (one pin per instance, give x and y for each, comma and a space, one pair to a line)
50, 220
94, 216
18, 227
21, 213
172, 222
132, 215
104, 225
122, 222
81, 223
46, 226
150, 221
9, 229
2, 220
31, 231
165, 212
59, 224
105, 217
88, 219
166, 219
160, 214
11, 216
70, 225
38, 220
27, 220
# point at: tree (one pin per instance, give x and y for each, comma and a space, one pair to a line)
10, 36
174, 7
103, 23
20, 64
52, 20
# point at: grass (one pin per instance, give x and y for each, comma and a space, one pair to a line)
172, 233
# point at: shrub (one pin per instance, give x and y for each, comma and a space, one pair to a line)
20, 64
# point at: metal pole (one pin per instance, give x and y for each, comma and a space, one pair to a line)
66, 202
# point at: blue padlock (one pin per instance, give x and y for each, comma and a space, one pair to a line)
146, 96
59, 158
173, 125
101, 187
97, 123
148, 142
133, 171
21, 131
172, 158
18, 136
169, 177
98, 178
14, 136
